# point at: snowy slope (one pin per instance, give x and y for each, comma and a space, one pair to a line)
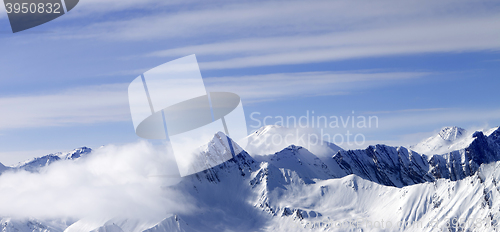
291, 203
170, 224
490, 131
108, 228
87, 224
447, 140
3, 168
222, 194
124, 224
304, 163
425, 207
31, 225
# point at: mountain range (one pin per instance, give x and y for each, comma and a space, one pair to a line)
35, 164
380, 188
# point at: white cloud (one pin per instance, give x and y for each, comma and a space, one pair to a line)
93, 104
114, 181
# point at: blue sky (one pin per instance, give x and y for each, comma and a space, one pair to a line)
416, 65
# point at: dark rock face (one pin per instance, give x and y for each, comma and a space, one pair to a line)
242, 164
398, 166
385, 165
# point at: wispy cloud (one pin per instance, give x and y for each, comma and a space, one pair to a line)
450, 117
266, 33
280, 85
197, 17
404, 111
444, 35
109, 103
94, 104
422, 124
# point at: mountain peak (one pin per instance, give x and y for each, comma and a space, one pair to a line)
452, 133
76, 153
267, 128
303, 162
216, 157
448, 139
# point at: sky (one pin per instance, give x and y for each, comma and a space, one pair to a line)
415, 65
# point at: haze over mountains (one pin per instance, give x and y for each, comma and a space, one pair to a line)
380, 188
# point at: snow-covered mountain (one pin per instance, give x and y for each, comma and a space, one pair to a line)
35, 164
290, 201
447, 140
380, 188
299, 159
32, 225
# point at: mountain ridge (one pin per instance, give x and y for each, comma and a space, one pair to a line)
398, 166
293, 191
37, 163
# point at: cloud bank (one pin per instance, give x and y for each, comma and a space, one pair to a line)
114, 181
